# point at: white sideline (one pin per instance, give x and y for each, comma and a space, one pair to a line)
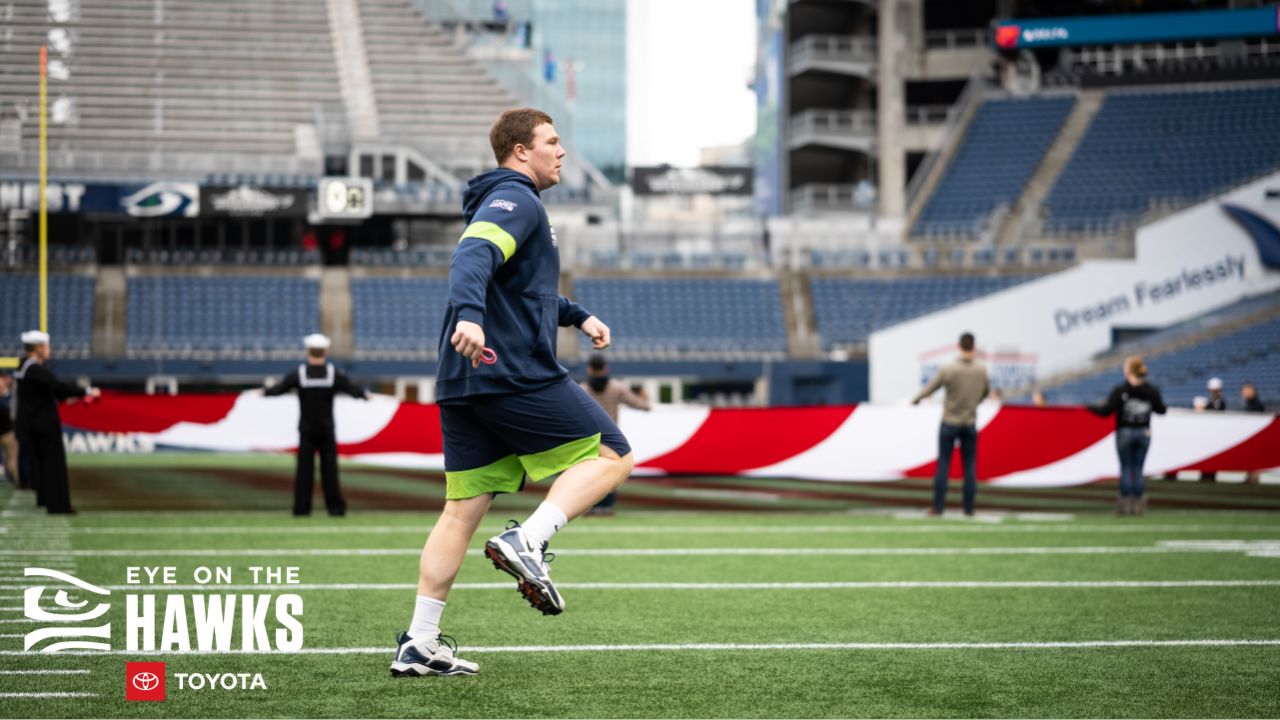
1205, 547
696, 530
686, 647
879, 585
49, 695
44, 672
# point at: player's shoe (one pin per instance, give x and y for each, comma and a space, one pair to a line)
513, 553
429, 656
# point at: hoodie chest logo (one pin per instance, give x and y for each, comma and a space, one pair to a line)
554, 242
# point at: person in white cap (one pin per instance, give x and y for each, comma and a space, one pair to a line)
1216, 400
316, 382
39, 427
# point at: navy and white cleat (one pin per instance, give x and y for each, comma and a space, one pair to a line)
513, 553
429, 656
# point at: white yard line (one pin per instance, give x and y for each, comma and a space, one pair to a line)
45, 672
1208, 547
37, 695
698, 647
695, 530
884, 585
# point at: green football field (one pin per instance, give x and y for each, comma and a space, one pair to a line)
702, 598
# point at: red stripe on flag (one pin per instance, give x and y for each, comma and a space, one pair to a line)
131, 412
1260, 451
414, 428
1022, 438
740, 439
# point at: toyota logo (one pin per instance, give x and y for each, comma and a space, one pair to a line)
145, 681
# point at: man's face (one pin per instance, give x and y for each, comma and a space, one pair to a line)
598, 373
42, 352
1248, 392
543, 156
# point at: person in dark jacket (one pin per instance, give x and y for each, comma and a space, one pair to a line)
1252, 403
508, 409
317, 381
8, 438
1132, 402
39, 428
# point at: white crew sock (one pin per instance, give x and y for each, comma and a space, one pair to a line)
426, 618
543, 523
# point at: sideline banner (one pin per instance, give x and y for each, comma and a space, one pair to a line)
1017, 446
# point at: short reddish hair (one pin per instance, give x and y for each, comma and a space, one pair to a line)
515, 127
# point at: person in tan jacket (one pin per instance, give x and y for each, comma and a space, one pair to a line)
610, 394
967, 384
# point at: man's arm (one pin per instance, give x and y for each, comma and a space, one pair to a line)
630, 399
1108, 407
505, 220
571, 313
41, 375
931, 388
343, 383
288, 383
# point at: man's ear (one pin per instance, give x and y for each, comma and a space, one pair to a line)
520, 152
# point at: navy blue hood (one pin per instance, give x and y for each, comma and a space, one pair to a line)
481, 185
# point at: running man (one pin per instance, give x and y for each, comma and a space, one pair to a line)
508, 410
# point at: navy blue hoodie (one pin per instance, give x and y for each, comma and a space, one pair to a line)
505, 276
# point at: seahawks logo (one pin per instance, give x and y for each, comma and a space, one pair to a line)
163, 199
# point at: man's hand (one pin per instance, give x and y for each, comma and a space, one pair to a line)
597, 331
468, 339
94, 393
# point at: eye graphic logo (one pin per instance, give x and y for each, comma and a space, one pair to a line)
68, 624
164, 199
144, 681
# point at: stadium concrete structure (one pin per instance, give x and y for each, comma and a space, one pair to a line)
914, 160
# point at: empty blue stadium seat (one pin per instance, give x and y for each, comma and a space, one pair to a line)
398, 317
1164, 148
71, 301
680, 317
848, 310
1004, 143
253, 317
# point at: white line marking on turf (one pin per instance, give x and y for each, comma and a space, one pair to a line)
877, 585
49, 695
696, 530
11, 635
45, 672
713, 551
721, 646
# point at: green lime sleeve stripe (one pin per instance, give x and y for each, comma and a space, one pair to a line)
558, 459
494, 234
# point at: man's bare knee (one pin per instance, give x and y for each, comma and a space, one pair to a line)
622, 466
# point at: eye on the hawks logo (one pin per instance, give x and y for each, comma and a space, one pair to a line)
144, 681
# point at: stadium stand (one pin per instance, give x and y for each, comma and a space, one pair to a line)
688, 318
220, 317
280, 258
848, 310
1182, 358
1000, 151
70, 312
398, 318
1165, 149
429, 92
184, 78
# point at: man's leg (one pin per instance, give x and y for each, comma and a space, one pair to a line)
9, 444
333, 500
946, 442
447, 546
969, 458
29, 465
304, 475
53, 468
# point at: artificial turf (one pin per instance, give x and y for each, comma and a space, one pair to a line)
699, 561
